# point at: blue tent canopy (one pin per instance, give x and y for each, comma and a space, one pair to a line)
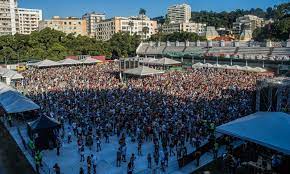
13, 102
269, 129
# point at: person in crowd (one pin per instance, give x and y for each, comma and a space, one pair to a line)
82, 171
94, 163
215, 150
119, 157
56, 168
149, 161
197, 157
130, 168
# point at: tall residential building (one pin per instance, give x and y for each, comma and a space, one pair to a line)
28, 20
247, 22
67, 25
191, 27
8, 18
179, 13
107, 28
92, 19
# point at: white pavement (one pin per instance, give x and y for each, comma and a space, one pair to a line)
69, 159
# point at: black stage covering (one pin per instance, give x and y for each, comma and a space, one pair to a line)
43, 130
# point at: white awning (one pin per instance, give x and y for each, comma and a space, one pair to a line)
13, 75
147, 60
143, 71
89, 60
7, 73
69, 61
166, 61
46, 63
269, 129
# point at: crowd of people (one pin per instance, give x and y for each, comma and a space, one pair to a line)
169, 110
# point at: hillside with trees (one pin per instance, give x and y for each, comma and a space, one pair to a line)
280, 29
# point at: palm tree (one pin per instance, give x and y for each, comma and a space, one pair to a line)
131, 25
142, 11
145, 30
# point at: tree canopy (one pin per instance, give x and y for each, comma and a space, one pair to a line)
280, 29
55, 45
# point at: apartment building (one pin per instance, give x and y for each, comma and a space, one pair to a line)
91, 20
191, 27
247, 22
67, 25
134, 25
28, 20
179, 13
8, 18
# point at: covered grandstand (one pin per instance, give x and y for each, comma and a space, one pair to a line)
276, 51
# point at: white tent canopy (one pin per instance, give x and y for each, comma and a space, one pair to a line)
147, 60
13, 102
89, 60
3, 71
165, 61
198, 65
143, 71
46, 63
259, 69
269, 129
13, 75
69, 61
235, 67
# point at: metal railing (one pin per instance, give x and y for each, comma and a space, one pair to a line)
44, 168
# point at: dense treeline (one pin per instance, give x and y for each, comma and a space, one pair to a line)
56, 45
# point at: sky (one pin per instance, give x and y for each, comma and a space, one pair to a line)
154, 8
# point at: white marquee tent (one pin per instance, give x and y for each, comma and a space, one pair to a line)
235, 67
143, 71
89, 60
147, 60
46, 63
165, 61
269, 129
8, 75
69, 61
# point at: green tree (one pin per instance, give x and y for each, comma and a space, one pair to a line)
8, 55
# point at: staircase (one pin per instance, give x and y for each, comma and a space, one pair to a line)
236, 50
271, 51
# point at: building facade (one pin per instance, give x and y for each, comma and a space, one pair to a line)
247, 22
134, 25
211, 33
8, 17
67, 25
191, 27
28, 20
179, 13
91, 20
